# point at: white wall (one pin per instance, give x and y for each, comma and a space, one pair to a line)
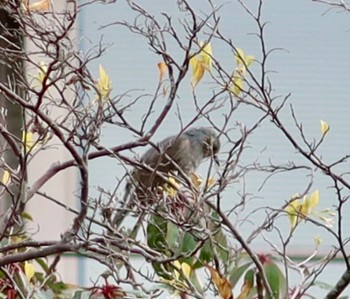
51, 220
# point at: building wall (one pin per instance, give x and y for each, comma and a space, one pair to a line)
51, 220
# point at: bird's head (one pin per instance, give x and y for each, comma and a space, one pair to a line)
209, 141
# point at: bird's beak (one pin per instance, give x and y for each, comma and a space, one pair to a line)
216, 160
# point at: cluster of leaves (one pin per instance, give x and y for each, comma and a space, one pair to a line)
190, 251
31, 279
300, 209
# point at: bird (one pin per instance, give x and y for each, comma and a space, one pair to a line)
180, 154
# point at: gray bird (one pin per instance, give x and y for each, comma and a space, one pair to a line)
180, 154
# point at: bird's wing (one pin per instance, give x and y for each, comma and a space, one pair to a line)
152, 156
180, 152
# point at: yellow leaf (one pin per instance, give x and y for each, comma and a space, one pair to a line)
249, 59
27, 139
211, 182
17, 239
176, 273
197, 71
42, 71
310, 202
243, 60
6, 177
238, 85
200, 63
185, 268
43, 5
196, 180
178, 282
162, 67
206, 55
242, 63
29, 270
222, 284
329, 222
314, 199
239, 57
298, 210
103, 85
293, 210
171, 188
324, 127
318, 240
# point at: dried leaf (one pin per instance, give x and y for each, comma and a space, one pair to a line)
43, 5
163, 68
222, 284
196, 180
211, 182
246, 288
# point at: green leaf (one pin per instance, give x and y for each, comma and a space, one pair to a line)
206, 253
43, 264
249, 276
323, 285
156, 233
196, 282
27, 216
78, 295
237, 273
39, 277
221, 245
275, 279
188, 243
248, 284
58, 287
172, 235
158, 237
